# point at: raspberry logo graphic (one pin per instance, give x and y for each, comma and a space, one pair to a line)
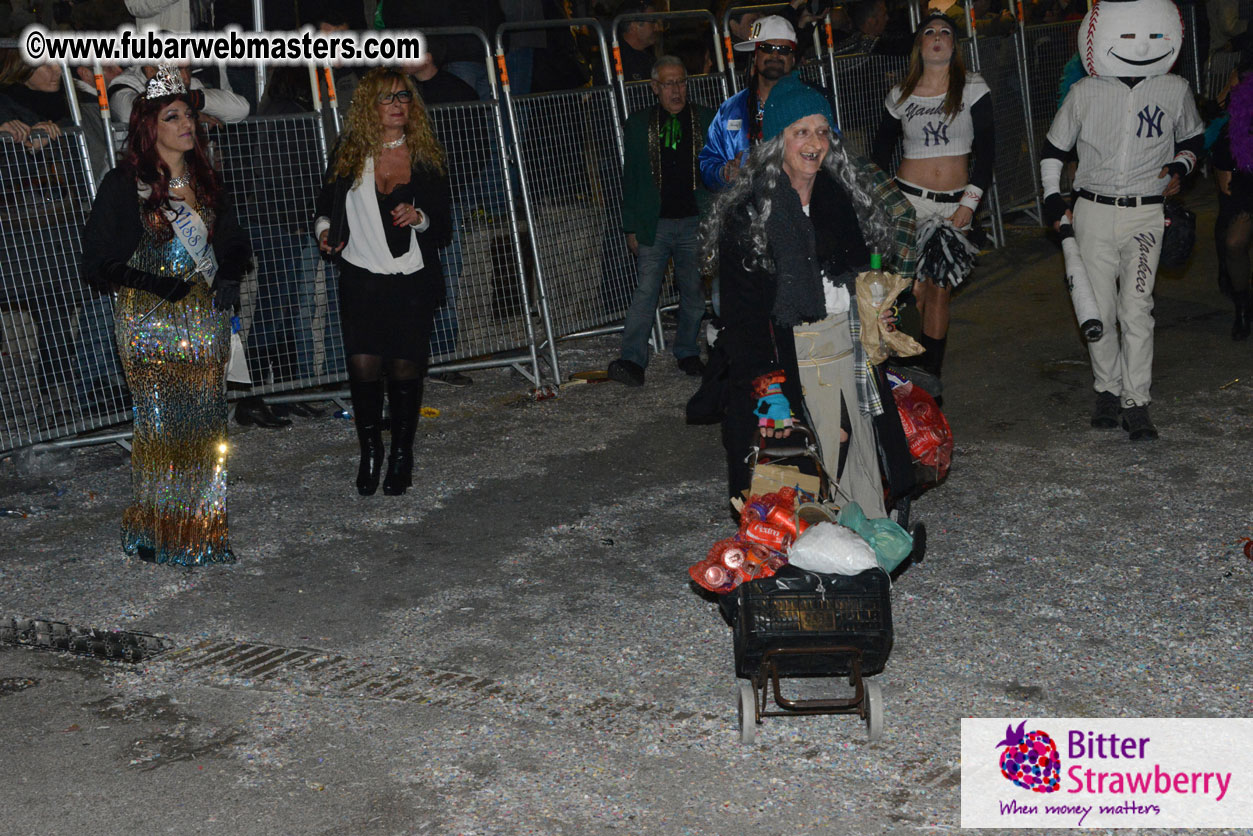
1030, 759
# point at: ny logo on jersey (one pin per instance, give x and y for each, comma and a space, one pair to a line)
934, 133
1150, 122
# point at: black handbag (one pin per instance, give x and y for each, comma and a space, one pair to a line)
1179, 236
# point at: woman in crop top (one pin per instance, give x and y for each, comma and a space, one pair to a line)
383, 215
944, 114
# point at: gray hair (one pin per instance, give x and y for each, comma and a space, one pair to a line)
763, 173
667, 61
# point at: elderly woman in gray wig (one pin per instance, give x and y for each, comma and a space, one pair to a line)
788, 240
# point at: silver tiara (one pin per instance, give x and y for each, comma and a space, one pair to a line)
167, 82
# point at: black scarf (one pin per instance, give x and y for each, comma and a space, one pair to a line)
798, 297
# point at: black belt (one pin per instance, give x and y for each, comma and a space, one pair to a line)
1125, 202
938, 197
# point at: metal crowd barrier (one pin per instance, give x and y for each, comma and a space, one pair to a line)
271, 167
1046, 50
569, 150
59, 373
567, 266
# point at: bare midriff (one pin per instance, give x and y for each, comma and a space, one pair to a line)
939, 174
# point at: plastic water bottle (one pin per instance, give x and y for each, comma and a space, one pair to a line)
878, 280
878, 283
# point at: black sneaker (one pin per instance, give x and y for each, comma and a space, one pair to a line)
1105, 413
626, 373
450, 378
692, 366
1135, 420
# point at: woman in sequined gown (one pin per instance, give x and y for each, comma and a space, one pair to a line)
172, 325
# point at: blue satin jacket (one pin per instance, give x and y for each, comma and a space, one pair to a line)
728, 136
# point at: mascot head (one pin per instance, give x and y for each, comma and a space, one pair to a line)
1131, 37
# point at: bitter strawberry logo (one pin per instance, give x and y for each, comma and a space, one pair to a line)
1030, 759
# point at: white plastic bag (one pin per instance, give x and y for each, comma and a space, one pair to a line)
832, 549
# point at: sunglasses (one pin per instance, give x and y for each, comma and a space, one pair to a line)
402, 96
775, 49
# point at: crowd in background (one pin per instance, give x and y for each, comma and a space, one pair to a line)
34, 107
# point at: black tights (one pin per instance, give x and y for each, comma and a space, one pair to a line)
368, 368
1235, 250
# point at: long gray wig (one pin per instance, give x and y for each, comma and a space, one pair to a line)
763, 174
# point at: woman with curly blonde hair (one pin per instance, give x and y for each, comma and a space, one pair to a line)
383, 215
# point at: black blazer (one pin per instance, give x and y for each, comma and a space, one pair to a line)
114, 229
435, 201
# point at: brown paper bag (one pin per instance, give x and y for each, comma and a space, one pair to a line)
877, 340
768, 478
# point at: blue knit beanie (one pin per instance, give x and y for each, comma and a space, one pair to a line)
792, 99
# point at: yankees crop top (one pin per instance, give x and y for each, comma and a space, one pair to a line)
929, 133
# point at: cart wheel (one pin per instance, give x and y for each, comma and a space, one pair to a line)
874, 710
748, 713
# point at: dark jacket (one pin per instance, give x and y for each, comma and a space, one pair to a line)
435, 201
114, 230
641, 197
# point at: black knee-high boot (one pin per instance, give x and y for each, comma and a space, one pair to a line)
403, 396
367, 410
1240, 328
933, 359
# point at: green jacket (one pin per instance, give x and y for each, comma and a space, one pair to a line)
641, 193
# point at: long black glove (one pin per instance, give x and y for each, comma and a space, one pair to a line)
232, 267
225, 294
168, 287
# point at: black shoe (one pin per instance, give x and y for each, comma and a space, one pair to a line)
255, 412
692, 366
1135, 420
450, 378
1105, 413
1240, 328
626, 373
147, 554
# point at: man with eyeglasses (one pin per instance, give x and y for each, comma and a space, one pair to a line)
662, 204
737, 126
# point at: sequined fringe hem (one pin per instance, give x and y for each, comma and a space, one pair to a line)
194, 541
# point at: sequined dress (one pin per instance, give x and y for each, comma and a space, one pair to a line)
174, 355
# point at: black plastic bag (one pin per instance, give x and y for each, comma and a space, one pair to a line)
1180, 234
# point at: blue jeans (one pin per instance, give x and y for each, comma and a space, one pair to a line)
473, 73
520, 62
677, 238
444, 333
99, 370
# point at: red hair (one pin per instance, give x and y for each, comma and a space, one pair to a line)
143, 159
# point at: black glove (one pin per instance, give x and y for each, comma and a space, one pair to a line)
167, 287
1055, 208
225, 295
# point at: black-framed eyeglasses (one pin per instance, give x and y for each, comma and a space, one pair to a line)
402, 96
775, 49
672, 85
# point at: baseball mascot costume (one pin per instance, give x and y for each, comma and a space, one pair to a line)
1137, 134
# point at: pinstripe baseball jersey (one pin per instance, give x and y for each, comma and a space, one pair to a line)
1124, 135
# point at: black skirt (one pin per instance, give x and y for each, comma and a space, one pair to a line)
389, 316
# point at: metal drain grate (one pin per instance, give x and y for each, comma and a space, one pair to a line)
322, 673
114, 645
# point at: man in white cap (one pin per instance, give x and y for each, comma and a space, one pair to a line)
737, 125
